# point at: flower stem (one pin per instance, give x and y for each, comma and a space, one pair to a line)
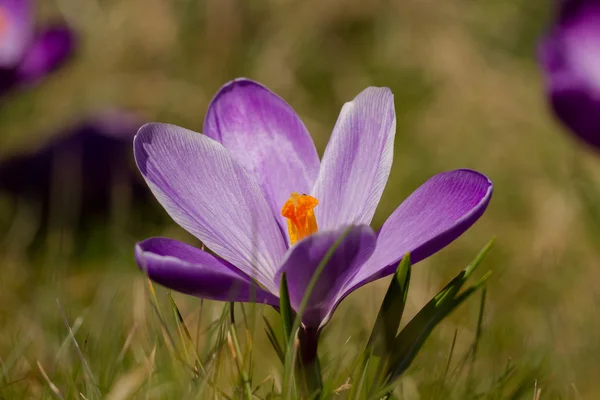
308, 368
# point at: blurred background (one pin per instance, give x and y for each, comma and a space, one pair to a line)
468, 94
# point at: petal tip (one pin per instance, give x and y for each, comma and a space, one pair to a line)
237, 83
143, 135
379, 90
145, 130
484, 181
475, 172
139, 257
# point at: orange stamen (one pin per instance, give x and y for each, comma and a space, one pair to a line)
299, 211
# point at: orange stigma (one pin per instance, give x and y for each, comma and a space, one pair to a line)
300, 214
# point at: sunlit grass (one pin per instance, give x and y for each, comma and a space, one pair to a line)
109, 333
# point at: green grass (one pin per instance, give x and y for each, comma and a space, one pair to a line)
468, 94
111, 334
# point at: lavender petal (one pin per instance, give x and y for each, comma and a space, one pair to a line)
206, 191
189, 270
305, 257
266, 137
357, 160
432, 217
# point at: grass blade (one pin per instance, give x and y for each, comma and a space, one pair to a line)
273, 339
285, 308
237, 354
389, 316
88, 372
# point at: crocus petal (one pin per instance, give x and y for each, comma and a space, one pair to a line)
48, 51
206, 191
16, 24
267, 138
570, 57
357, 160
432, 217
304, 258
189, 270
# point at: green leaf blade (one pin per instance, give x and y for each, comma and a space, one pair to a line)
391, 311
285, 308
410, 340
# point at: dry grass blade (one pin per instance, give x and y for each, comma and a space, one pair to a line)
129, 383
53, 388
126, 344
537, 392
236, 352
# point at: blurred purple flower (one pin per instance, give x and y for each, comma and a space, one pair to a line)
80, 170
228, 187
27, 54
570, 57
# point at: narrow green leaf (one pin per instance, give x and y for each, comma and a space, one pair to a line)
390, 314
359, 388
451, 288
413, 336
480, 257
415, 333
285, 308
473, 288
273, 339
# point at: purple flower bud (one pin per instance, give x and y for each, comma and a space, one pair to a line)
570, 57
28, 54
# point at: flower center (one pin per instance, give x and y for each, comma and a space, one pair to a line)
299, 211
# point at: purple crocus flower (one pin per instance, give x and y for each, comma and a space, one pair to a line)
253, 190
78, 170
570, 57
27, 54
